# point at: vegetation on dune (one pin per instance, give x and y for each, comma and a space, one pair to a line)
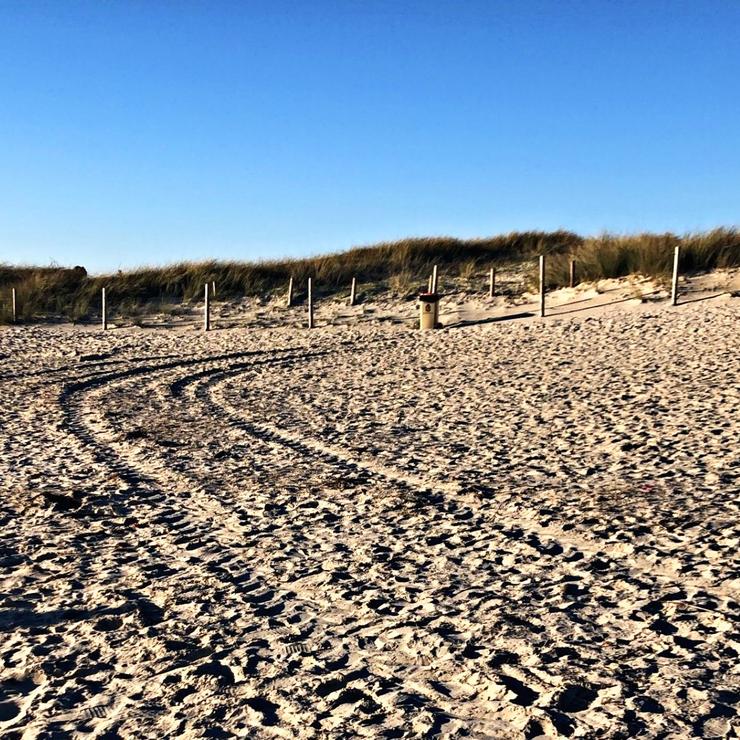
609, 256
400, 267
74, 294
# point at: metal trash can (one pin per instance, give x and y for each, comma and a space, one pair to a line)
429, 310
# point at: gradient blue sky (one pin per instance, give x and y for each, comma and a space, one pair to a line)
144, 132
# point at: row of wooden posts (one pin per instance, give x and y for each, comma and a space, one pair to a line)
210, 292
433, 284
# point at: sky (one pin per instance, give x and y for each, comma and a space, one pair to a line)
138, 132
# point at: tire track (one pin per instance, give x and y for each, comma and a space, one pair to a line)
403, 648
208, 389
437, 491
225, 569
166, 478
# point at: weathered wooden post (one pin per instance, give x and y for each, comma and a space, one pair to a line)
542, 285
674, 281
290, 293
213, 289
492, 282
103, 310
353, 292
15, 310
434, 279
310, 303
429, 284
207, 311
572, 273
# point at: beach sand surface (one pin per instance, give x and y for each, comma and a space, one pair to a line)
514, 527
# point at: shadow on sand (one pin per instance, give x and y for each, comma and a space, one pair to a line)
586, 300
555, 312
491, 320
703, 298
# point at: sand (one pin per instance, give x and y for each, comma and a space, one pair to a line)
506, 529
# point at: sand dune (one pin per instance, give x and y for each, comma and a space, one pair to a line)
506, 529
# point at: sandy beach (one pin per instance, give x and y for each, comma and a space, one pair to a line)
505, 529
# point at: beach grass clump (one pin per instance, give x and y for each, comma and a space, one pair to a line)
651, 255
43, 292
402, 284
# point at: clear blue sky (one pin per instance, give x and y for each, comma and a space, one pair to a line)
143, 132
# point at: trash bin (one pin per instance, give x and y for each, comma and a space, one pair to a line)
429, 310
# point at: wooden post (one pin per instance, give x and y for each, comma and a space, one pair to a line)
492, 283
429, 284
572, 273
207, 312
434, 279
213, 289
290, 292
103, 310
674, 281
15, 311
353, 292
310, 303
542, 285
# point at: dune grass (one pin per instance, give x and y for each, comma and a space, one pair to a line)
45, 292
609, 256
400, 267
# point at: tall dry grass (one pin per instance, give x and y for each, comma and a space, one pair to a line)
401, 267
45, 292
610, 256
